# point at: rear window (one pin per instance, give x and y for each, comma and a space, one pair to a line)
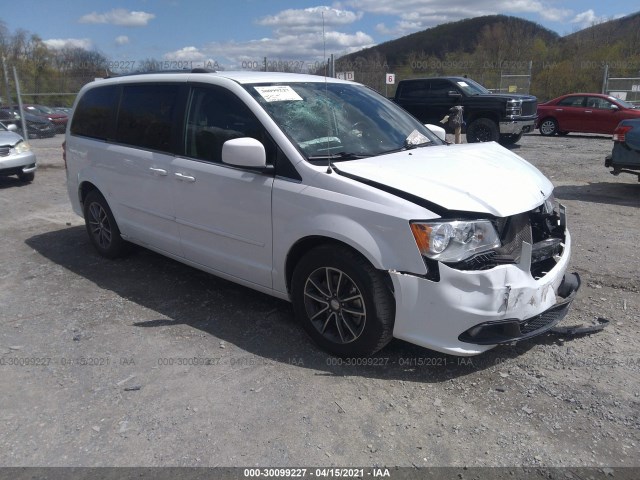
93, 115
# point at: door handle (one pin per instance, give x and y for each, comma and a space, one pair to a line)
158, 171
185, 178
588, 111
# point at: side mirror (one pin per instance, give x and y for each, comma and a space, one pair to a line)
437, 131
12, 128
614, 107
244, 152
454, 94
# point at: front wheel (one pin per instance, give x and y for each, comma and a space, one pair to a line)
548, 127
102, 228
482, 130
343, 302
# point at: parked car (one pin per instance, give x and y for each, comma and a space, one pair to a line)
583, 113
16, 157
37, 126
324, 193
9, 118
625, 156
58, 119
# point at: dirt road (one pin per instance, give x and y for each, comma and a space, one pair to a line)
146, 362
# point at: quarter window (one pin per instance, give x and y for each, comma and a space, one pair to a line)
93, 115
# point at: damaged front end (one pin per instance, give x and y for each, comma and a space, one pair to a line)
505, 294
535, 240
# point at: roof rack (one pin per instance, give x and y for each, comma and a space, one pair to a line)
184, 70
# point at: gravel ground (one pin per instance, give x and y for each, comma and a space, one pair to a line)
146, 362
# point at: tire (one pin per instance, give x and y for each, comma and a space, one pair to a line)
27, 177
510, 139
548, 127
102, 228
482, 130
343, 302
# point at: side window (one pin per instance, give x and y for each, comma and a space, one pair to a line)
145, 116
414, 90
94, 113
599, 103
440, 88
215, 115
572, 102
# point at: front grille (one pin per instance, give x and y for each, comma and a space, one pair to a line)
550, 317
507, 331
529, 108
541, 230
5, 150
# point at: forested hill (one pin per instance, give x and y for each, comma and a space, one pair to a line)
485, 47
464, 36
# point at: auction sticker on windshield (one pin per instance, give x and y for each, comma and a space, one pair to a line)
282, 93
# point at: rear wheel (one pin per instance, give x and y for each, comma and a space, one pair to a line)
548, 127
483, 130
343, 302
102, 228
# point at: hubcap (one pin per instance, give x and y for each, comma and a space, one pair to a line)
335, 305
99, 225
547, 127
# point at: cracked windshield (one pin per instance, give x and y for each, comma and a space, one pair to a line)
340, 121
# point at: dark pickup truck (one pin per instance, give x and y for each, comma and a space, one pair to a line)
488, 116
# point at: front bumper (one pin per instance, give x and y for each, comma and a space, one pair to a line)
437, 315
514, 330
515, 127
20, 163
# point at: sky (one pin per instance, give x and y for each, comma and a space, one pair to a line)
233, 34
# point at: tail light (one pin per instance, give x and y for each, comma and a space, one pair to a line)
64, 153
620, 132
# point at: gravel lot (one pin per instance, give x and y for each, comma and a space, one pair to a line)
146, 362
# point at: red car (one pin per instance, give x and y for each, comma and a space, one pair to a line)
583, 113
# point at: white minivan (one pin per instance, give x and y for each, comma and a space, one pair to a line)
324, 193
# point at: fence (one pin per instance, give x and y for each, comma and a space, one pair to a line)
624, 88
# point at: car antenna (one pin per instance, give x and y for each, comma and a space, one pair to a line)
326, 93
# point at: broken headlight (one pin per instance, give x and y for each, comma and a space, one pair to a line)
454, 241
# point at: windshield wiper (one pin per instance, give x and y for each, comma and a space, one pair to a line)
338, 156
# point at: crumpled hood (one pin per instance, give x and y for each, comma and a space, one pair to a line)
9, 138
479, 177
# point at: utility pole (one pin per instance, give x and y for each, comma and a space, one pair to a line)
6, 82
25, 134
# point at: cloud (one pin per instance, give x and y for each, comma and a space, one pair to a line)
122, 40
296, 41
298, 51
308, 19
587, 19
186, 54
119, 16
60, 43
